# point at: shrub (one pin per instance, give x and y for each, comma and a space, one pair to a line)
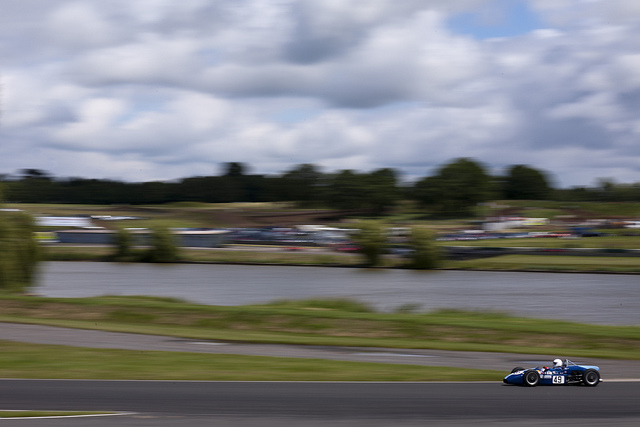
19, 252
371, 239
426, 254
163, 246
122, 245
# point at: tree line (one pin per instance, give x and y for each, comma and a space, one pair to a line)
453, 190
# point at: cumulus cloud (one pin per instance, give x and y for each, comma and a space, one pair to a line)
158, 89
588, 12
80, 24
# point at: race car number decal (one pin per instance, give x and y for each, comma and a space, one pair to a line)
558, 379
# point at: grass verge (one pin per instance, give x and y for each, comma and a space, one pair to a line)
328, 322
607, 242
552, 263
304, 257
20, 360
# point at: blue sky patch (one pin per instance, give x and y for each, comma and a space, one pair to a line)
295, 115
500, 18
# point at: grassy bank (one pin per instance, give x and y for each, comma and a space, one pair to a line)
609, 264
551, 263
248, 256
604, 242
19, 360
328, 322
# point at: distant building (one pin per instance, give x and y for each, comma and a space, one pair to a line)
63, 221
506, 223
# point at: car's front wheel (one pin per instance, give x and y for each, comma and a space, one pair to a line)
591, 378
531, 378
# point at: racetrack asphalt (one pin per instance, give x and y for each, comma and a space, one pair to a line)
619, 370
288, 404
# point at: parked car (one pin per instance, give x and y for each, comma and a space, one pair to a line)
347, 247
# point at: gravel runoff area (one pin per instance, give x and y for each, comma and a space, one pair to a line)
38, 334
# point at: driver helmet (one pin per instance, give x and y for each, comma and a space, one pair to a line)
557, 363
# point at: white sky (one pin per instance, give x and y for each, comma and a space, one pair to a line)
162, 89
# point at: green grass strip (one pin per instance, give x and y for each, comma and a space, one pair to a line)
327, 322
552, 263
21, 360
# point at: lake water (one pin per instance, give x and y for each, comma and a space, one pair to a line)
587, 298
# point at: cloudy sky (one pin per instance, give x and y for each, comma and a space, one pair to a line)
162, 89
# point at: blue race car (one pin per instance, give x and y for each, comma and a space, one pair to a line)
561, 373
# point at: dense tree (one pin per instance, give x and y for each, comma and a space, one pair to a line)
455, 190
345, 190
371, 238
302, 184
123, 245
627, 192
35, 174
525, 183
426, 254
34, 186
381, 188
207, 189
608, 190
234, 169
238, 186
19, 252
254, 188
163, 246
376, 192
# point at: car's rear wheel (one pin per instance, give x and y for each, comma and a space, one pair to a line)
516, 369
591, 378
531, 378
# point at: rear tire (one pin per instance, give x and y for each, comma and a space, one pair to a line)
531, 378
516, 369
591, 378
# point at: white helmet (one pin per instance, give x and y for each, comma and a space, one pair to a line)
557, 363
